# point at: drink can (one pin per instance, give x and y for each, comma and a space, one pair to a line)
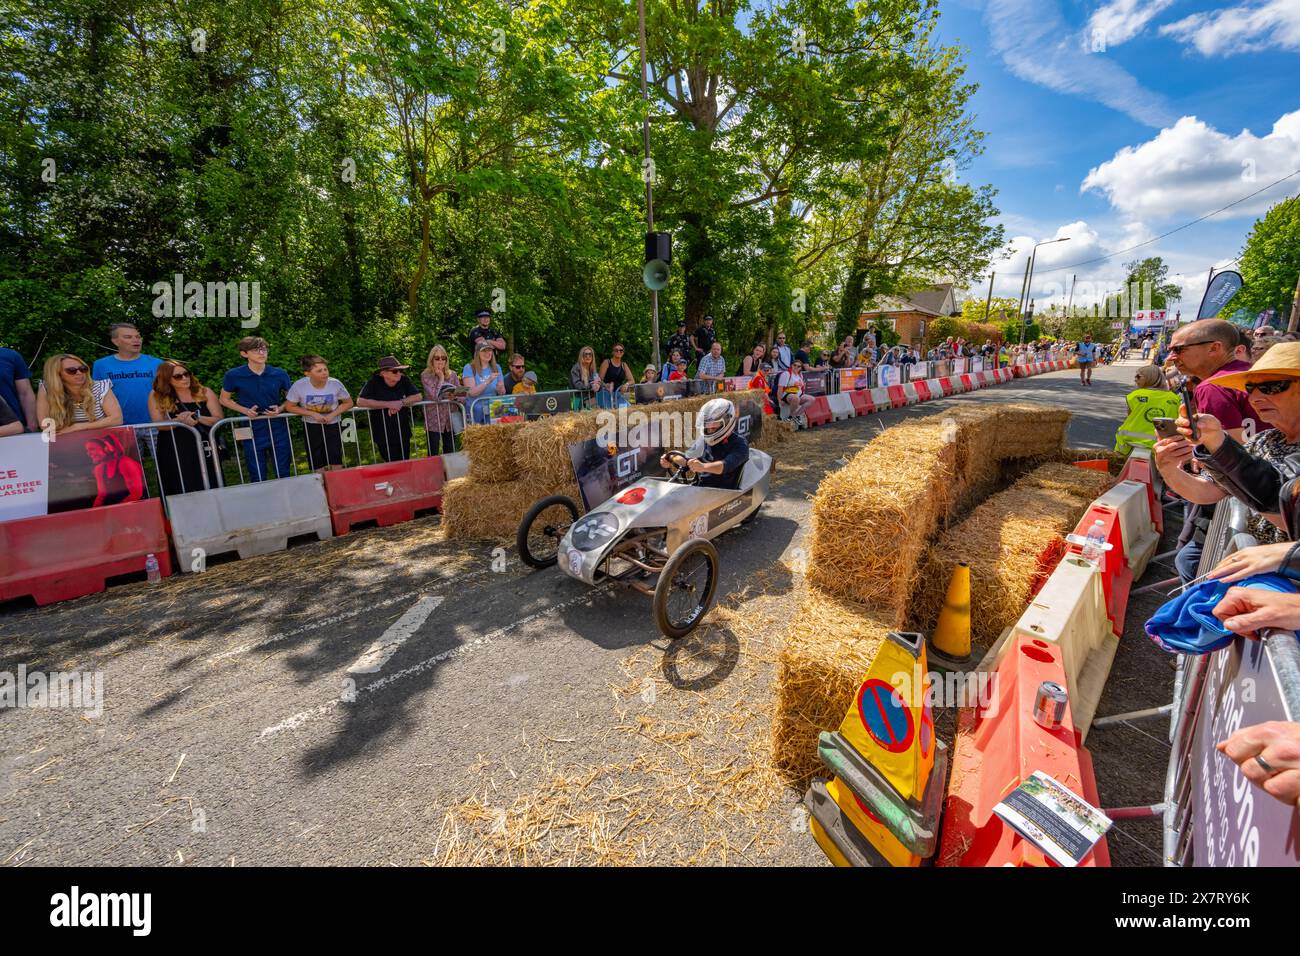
1049, 704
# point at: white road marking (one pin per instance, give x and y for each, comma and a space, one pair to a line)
323, 622
379, 653
306, 716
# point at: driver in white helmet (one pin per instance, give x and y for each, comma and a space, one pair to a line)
718, 456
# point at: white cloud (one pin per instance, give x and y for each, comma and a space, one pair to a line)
1058, 264
1119, 21
1241, 29
1192, 168
1035, 43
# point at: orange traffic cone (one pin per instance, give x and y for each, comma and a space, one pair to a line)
1096, 464
949, 646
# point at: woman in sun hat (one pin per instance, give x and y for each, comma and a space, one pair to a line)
1253, 473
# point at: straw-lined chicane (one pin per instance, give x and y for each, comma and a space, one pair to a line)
873, 526
514, 465
1011, 543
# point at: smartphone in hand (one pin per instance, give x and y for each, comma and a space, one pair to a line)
1188, 391
1165, 427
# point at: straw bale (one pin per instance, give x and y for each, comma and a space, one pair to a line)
1011, 543
829, 647
491, 452
476, 509
542, 447
1029, 430
775, 432
1084, 482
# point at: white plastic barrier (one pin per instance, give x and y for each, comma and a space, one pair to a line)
841, 406
252, 519
880, 398
909, 389
1070, 612
1129, 499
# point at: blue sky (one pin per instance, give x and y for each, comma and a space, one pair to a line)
1172, 117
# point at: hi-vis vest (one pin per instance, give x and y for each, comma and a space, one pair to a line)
1144, 404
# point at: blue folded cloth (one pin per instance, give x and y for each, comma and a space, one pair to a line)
1186, 624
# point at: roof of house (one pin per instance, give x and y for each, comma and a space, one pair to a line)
937, 300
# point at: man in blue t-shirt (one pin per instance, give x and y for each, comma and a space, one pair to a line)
16, 387
130, 371
1086, 353
256, 390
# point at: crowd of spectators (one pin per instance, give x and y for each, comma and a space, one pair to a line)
1247, 431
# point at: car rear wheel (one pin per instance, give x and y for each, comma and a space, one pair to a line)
685, 590
544, 526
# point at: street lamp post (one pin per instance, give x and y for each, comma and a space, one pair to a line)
1029, 281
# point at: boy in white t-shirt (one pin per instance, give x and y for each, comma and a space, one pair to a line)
320, 400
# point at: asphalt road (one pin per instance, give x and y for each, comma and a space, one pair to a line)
392, 697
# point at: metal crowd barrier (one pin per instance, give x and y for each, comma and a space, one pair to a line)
264, 433
1226, 534
168, 452
528, 404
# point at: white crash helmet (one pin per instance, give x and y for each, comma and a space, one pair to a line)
716, 420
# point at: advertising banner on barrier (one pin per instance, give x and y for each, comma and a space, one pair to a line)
854, 378
816, 381
91, 469
889, 375
605, 468
1237, 823
24, 476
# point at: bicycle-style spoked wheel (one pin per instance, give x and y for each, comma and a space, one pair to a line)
684, 593
544, 526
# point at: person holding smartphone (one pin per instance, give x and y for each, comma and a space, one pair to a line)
1205, 351
1272, 390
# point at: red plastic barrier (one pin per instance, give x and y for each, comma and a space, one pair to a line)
946, 385
862, 403
897, 397
69, 555
1116, 576
819, 412
970, 382
922, 390
1139, 469
385, 494
1000, 746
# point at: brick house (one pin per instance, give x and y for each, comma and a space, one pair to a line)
909, 315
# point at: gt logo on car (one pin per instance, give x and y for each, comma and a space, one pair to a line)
625, 464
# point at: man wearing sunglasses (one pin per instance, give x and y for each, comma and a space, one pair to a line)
1204, 351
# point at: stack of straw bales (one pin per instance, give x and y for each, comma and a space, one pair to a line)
872, 527
829, 647
512, 466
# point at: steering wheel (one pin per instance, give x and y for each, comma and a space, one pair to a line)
682, 473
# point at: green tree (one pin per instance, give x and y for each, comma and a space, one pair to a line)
1270, 262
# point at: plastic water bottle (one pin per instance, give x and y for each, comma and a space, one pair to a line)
1095, 546
151, 569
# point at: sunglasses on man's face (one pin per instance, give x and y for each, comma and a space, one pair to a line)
517, 368
1179, 349
75, 370
1270, 388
